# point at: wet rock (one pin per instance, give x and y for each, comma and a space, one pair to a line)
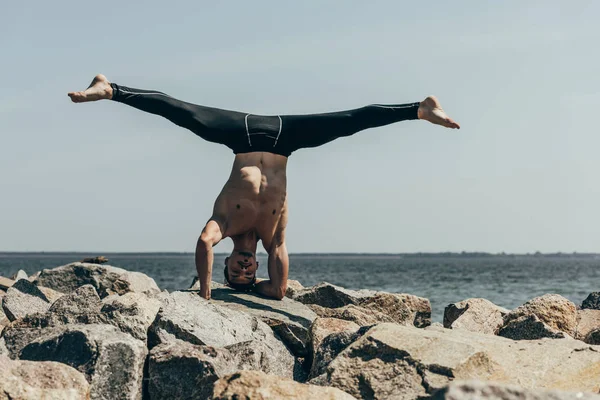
552, 309
587, 321
20, 274
529, 327
24, 298
321, 329
475, 315
394, 361
111, 360
592, 302
289, 319
366, 307
26, 380
188, 317
105, 279
254, 385
132, 313
480, 390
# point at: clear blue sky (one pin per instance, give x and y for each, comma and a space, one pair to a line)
521, 77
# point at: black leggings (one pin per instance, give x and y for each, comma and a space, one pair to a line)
279, 134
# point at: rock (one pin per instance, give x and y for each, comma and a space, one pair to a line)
254, 385
592, 302
132, 313
95, 260
112, 361
322, 328
529, 327
289, 319
366, 307
3, 349
293, 287
24, 298
554, 310
400, 362
77, 306
105, 279
26, 380
19, 275
475, 315
593, 337
5, 283
587, 321
188, 317
480, 390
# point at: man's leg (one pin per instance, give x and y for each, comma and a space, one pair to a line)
312, 130
212, 124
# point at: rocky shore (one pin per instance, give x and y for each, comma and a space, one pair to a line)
87, 330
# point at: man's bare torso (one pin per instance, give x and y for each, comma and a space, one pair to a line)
254, 198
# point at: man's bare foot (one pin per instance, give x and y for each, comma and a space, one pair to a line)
99, 89
431, 110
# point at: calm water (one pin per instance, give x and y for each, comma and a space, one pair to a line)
505, 280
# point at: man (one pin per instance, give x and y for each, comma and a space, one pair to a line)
253, 205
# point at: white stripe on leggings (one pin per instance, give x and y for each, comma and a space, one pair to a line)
280, 126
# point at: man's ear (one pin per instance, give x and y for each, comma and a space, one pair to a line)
226, 261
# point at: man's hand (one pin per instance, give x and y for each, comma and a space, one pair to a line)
211, 235
205, 291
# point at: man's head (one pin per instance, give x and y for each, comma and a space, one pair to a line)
240, 270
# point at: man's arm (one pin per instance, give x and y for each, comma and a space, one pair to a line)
276, 285
211, 235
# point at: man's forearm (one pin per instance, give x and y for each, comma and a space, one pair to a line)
204, 263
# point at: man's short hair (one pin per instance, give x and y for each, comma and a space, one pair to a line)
244, 287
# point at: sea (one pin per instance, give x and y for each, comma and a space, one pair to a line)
504, 279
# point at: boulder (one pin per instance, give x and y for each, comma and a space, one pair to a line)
592, 302
529, 327
331, 296
588, 320
554, 310
132, 313
76, 307
105, 279
24, 298
26, 380
322, 328
475, 315
593, 337
481, 390
20, 274
3, 349
188, 317
293, 287
254, 385
289, 319
111, 361
352, 313
400, 362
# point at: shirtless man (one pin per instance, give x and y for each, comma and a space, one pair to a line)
253, 205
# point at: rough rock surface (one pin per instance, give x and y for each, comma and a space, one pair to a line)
112, 361
3, 349
554, 310
592, 302
475, 315
26, 380
529, 327
588, 320
105, 279
132, 313
480, 390
393, 361
366, 307
20, 274
289, 319
254, 385
24, 298
293, 287
188, 317
322, 328
593, 337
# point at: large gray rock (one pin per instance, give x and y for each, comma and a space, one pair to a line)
188, 317
105, 279
393, 361
319, 331
26, 380
132, 313
24, 298
20, 274
289, 319
475, 315
112, 361
254, 385
552, 309
588, 320
480, 390
592, 302
529, 327
366, 306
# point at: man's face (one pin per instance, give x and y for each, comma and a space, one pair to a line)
241, 267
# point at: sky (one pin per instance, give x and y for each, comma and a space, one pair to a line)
522, 175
